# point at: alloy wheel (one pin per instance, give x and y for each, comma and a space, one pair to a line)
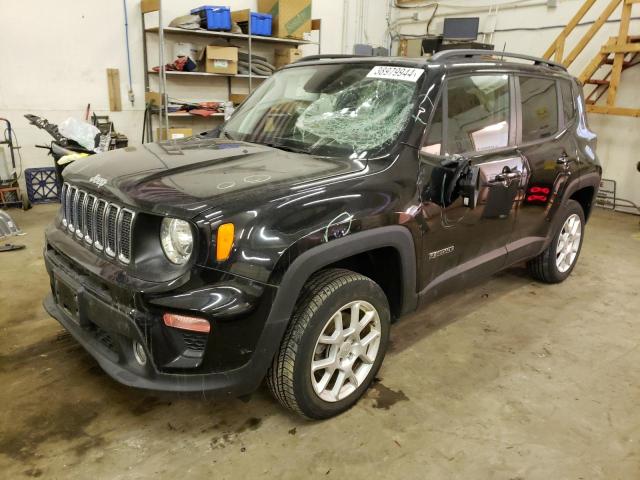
345, 351
568, 243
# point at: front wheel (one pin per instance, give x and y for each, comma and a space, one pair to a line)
334, 345
557, 261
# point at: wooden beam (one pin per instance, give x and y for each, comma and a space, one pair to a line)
607, 110
596, 63
624, 48
568, 29
113, 83
560, 47
604, 16
616, 70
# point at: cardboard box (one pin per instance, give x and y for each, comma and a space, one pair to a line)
153, 98
174, 133
237, 98
222, 60
285, 56
240, 15
147, 6
291, 18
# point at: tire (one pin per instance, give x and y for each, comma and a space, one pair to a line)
547, 266
325, 295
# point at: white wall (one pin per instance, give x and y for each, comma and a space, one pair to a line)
54, 56
618, 137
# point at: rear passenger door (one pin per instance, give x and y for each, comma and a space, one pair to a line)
546, 115
475, 122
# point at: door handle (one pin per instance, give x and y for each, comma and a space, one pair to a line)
506, 177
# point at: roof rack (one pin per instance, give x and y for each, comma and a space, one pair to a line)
328, 56
447, 54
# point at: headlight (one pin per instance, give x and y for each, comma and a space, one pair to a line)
176, 239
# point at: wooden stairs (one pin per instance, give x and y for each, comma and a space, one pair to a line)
603, 74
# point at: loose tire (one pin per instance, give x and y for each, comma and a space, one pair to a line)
333, 346
557, 262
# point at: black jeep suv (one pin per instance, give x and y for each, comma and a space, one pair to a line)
343, 194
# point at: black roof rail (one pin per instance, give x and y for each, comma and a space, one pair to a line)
328, 56
461, 53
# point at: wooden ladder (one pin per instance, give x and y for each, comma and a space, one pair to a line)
616, 55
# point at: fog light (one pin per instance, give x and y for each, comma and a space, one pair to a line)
139, 354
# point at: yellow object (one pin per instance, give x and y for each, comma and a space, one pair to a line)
174, 133
224, 241
71, 158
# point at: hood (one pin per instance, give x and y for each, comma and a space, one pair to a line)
189, 176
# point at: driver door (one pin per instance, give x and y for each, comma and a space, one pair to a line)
471, 177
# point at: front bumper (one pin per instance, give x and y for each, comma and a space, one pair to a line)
107, 329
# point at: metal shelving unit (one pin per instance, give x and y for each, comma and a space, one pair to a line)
155, 6
207, 74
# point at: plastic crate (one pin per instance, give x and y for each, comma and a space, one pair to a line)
261, 24
42, 185
214, 18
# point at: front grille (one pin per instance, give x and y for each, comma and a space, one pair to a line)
104, 338
110, 239
125, 236
79, 213
89, 216
63, 201
103, 225
194, 341
71, 195
99, 219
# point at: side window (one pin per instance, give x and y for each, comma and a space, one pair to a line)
539, 108
433, 143
568, 105
478, 114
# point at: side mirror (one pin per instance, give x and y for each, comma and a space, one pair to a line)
468, 185
448, 177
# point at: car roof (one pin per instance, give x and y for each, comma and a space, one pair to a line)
451, 57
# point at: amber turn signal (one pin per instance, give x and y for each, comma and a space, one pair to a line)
224, 241
185, 322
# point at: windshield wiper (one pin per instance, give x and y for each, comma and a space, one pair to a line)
282, 146
226, 134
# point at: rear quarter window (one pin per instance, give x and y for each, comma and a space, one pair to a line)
539, 108
568, 103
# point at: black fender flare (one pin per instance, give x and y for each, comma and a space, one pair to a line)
320, 256
591, 179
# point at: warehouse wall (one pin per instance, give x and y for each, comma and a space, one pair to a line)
55, 54
530, 28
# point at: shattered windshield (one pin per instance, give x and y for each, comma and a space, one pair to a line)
331, 110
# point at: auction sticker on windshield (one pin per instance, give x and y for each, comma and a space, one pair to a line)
396, 73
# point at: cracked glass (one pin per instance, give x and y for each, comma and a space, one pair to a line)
331, 110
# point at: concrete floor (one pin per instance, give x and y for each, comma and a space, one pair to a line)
509, 380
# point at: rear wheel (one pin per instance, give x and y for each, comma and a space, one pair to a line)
334, 345
558, 260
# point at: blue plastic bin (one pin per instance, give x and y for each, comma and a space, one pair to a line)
261, 24
214, 18
42, 185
